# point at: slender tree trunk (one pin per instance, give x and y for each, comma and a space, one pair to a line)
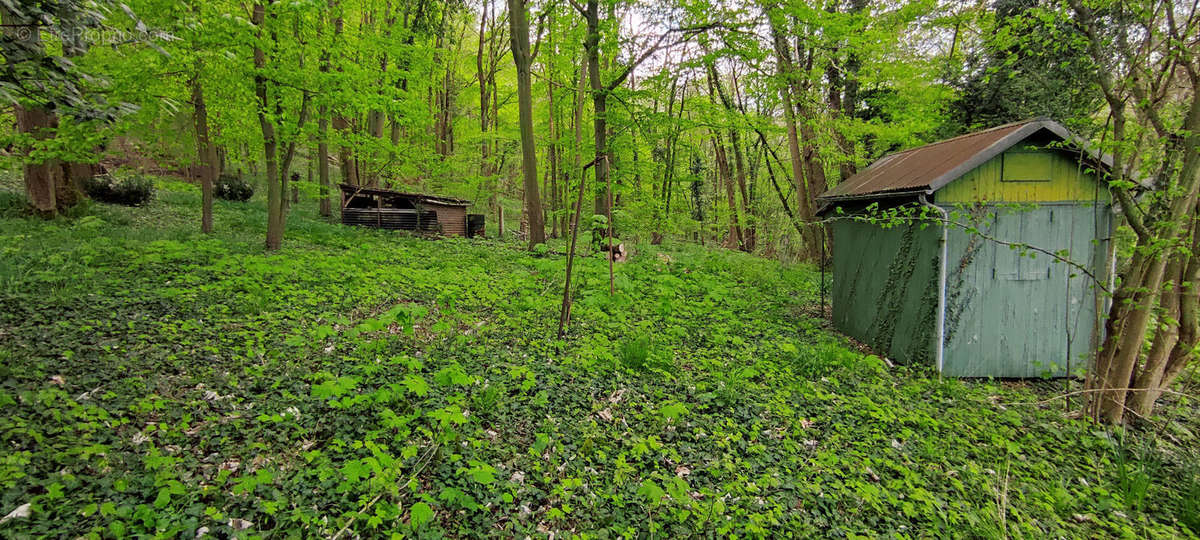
580, 102
345, 154
564, 316
599, 105
483, 91
519, 30
747, 229
270, 145
495, 47
400, 85
734, 241
745, 232
205, 152
804, 201
342, 125
323, 161
552, 148
325, 200
664, 152
672, 149
782, 199
442, 122
600, 126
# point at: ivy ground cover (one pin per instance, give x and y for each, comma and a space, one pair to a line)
161, 383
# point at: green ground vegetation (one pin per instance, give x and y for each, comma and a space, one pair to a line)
156, 382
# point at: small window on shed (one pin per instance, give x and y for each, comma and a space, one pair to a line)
1026, 166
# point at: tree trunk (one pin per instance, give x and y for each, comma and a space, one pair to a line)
323, 161
341, 124
43, 180
484, 163
270, 145
745, 234
804, 202
47, 187
599, 107
325, 202
205, 153
734, 241
1116, 368
74, 173
519, 30
1149, 380
580, 102
345, 155
552, 148
564, 316
748, 234
442, 121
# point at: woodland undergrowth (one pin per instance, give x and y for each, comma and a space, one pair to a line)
159, 382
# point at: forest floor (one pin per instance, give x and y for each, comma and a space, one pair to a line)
155, 381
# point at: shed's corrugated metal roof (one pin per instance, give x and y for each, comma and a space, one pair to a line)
926, 169
421, 197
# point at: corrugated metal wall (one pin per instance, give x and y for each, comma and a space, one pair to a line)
1017, 315
885, 288
1008, 313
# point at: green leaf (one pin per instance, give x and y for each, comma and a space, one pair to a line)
419, 514
416, 384
652, 493
673, 410
482, 472
334, 388
163, 499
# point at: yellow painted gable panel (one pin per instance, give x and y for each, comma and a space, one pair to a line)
1025, 176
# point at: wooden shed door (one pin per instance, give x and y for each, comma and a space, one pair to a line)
1018, 313
1029, 295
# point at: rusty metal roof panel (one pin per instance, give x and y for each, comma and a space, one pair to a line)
925, 169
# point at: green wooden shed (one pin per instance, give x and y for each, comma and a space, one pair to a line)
964, 301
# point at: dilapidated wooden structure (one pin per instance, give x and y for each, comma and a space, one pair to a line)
952, 291
388, 209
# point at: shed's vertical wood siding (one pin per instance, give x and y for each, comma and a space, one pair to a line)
885, 287
453, 219
1007, 178
1011, 314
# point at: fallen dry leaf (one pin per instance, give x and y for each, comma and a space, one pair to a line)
240, 524
21, 512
